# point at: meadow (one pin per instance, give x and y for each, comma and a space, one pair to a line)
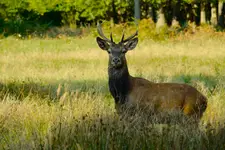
54, 93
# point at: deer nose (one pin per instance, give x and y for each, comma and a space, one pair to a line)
116, 60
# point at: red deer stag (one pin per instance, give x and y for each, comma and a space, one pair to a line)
133, 91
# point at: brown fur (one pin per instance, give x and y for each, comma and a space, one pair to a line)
161, 97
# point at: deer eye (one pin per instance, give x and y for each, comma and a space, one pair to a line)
109, 52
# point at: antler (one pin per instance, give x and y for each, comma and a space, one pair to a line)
123, 36
129, 38
100, 32
111, 37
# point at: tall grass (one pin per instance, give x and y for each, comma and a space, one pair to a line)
54, 94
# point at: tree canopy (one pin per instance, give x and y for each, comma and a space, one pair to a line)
76, 12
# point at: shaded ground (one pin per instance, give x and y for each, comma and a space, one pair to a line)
55, 89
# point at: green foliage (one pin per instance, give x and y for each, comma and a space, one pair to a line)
41, 6
9, 8
19, 16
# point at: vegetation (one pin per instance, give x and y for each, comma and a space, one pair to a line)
31, 16
54, 92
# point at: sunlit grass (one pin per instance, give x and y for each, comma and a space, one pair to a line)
54, 94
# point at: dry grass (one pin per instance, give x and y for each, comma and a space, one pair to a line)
54, 94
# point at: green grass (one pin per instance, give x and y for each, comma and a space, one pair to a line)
54, 94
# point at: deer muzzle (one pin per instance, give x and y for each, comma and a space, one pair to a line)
116, 62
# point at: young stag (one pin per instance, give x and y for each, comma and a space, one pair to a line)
129, 91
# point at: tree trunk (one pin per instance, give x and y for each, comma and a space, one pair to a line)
153, 13
161, 20
137, 12
221, 20
203, 18
146, 9
168, 12
214, 14
191, 14
180, 13
198, 13
208, 13
115, 15
174, 19
217, 10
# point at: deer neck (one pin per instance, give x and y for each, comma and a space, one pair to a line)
119, 83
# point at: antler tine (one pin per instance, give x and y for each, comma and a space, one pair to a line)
100, 32
123, 35
131, 37
111, 37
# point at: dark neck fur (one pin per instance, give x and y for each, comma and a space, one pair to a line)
119, 84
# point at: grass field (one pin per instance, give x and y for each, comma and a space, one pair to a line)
54, 94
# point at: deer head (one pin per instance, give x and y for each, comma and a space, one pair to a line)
116, 51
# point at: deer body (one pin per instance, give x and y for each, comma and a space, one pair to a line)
140, 93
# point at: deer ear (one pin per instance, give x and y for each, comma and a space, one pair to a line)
131, 44
102, 43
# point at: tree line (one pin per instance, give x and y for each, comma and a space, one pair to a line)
77, 12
